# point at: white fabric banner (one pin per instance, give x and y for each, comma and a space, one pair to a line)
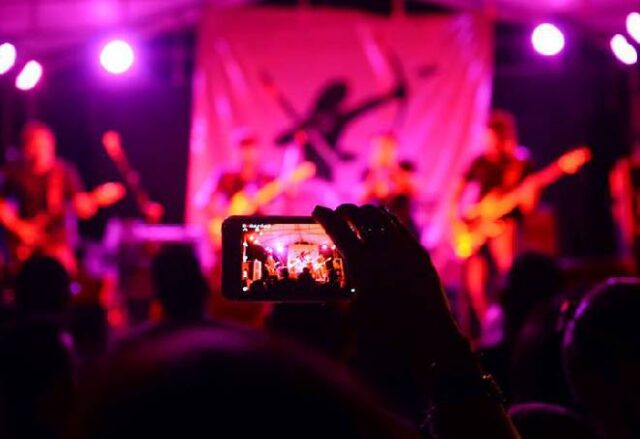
426, 78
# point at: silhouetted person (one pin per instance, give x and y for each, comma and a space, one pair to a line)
42, 290
179, 283
306, 282
317, 325
285, 284
548, 421
532, 282
602, 357
36, 369
533, 279
535, 366
214, 382
36, 382
90, 330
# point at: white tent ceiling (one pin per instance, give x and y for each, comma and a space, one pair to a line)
604, 17
43, 25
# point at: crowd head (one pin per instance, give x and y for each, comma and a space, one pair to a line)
602, 356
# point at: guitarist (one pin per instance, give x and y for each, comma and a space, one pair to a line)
247, 177
502, 166
40, 196
390, 182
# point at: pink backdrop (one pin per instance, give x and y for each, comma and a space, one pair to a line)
445, 60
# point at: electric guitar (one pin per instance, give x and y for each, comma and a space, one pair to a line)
33, 235
484, 219
244, 203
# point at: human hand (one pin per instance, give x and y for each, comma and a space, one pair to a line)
400, 300
29, 233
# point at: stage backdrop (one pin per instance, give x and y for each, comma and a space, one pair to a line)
350, 76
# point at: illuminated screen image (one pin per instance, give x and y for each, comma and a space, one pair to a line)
291, 261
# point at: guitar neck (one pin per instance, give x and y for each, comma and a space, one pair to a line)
546, 176
510, 200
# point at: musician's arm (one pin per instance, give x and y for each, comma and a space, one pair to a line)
11, 221
8, 215
74, 192
367, 191
530, 196
84, 205
454, 204
530, 199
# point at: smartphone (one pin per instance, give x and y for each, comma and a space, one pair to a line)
281, 259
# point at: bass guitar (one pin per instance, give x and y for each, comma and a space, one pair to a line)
485, 219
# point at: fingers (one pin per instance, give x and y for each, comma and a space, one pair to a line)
380, 228
353, 227
338, 230
372, 226
399, 227
354, 218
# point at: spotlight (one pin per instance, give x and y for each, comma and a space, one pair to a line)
547, 39
117, 57
279, 248
7, 57
29, 76
624, 51
633, 25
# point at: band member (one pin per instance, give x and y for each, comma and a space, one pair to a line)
502, 166
624, 185
389, 182
248, 177
42, 196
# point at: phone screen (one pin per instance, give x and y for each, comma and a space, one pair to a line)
289, 261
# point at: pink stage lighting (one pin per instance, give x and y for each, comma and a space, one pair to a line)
624, 51
633, 25
117, 57
29, 76
547, 39
7, 57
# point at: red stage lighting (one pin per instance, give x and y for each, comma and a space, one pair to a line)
624, 51
7, 57
547, 39
117, 57
29, 76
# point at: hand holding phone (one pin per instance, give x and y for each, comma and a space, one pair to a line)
283, 259
400, 296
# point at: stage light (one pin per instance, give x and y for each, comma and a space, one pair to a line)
633, 25
29, 75
7, 57
547, 39
624, 51
279, 248
117, 57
